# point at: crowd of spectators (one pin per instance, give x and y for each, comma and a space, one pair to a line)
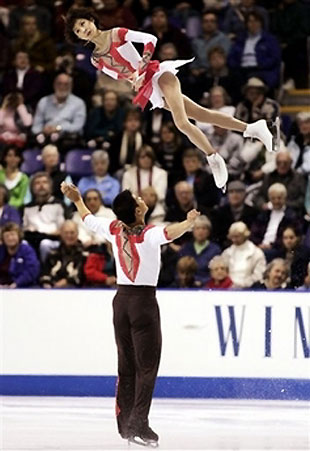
53, 102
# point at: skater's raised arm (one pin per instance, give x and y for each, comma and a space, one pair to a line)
73, 193
174, 231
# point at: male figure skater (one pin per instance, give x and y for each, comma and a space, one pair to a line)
136, 249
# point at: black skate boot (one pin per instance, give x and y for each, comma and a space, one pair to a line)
142, 434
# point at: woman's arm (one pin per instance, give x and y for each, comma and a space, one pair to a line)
149, 42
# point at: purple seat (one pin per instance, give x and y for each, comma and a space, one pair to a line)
32, 161
78, 162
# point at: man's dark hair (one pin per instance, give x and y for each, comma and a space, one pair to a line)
124, 207
72, 16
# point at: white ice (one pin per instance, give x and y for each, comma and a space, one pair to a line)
88, 424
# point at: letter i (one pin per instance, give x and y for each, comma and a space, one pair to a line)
268, 331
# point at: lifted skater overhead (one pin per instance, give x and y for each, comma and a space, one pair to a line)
115, 55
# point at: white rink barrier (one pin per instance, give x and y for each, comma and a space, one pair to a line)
225, 344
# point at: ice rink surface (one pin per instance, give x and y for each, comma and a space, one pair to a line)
88, 424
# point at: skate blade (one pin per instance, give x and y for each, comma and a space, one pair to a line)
224, 189
276, 135
138, 441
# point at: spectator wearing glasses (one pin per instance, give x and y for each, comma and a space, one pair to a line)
219, 272
275, 277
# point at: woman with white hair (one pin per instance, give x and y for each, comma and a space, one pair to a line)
101, 180
246, 262
201, 248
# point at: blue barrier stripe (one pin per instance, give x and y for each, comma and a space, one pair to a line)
166, 387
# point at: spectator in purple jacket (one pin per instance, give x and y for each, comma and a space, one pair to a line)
19, 265
7, 213
201, 248
256, 53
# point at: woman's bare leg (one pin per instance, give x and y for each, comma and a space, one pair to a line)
170, 86
201, 114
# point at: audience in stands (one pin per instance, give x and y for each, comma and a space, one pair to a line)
42, 15
217, 74
145, 173
93, 201
169, 150
268, 226
205, 191
16, 181
306, 284
235, 18
184, 202
83, 85
50, 160
107, 185
39, 46
201, 248
126, 143
233, 211
186, 269
294, 182
296, 254
166, 32
299, 145
104, 121
236, 70
219, 274
7, 212
15, 120
291, 25
229, 145
25, 78
156, 212
256, 53
246, 262
276, 276
256, 105
63, 267
210, 37
43, 216
60, 117
99, 268
19, 265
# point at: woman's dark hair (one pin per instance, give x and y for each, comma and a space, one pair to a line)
6, 193
172, 128
17, 150
124, 207
257, 16
145, 150
12, 227
72, 16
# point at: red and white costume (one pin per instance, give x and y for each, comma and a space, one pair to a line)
122, 60
136, 251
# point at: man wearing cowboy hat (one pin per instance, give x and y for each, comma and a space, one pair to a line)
256, 105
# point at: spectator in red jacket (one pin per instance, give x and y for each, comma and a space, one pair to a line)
99, 268
219, 272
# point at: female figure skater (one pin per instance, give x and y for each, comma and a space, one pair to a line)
116, 56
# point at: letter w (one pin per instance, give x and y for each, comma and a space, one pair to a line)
231, 331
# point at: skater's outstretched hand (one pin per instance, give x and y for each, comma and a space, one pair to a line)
192, 215
71, 191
